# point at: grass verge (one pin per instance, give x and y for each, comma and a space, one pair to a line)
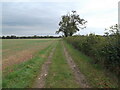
25, 73
93, 73
60, 74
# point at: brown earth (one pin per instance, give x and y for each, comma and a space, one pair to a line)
21, 56
40, 82
80, 78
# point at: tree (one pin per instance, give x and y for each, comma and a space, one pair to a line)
113, 30
112, 49
71, 23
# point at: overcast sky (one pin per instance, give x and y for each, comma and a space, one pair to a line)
42, 18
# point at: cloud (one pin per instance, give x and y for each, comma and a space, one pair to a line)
26, 18
98, 31
27, 30
40, 0
100, 13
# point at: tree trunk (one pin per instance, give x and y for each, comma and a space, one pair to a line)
66, 35
71, 34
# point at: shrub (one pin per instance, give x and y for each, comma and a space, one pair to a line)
105, 50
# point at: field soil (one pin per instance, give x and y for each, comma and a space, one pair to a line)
49, 64
77, 75
19, 53
80, 78
40, 82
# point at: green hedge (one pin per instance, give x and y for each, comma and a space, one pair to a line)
105, 50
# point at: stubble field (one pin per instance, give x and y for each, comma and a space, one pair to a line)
51, 63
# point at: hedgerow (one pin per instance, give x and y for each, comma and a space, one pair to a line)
105, 50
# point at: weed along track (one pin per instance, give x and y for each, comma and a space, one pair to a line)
60, 71
60, 75
40, 82
57, 64
25, 73
54, 49
80, 78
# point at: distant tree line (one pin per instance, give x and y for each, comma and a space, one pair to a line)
38, 37
28, 37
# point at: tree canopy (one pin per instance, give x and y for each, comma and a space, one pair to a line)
71, 23
113, 30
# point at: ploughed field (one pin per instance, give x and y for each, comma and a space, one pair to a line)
49, 63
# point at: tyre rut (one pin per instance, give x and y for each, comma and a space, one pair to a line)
80, 78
